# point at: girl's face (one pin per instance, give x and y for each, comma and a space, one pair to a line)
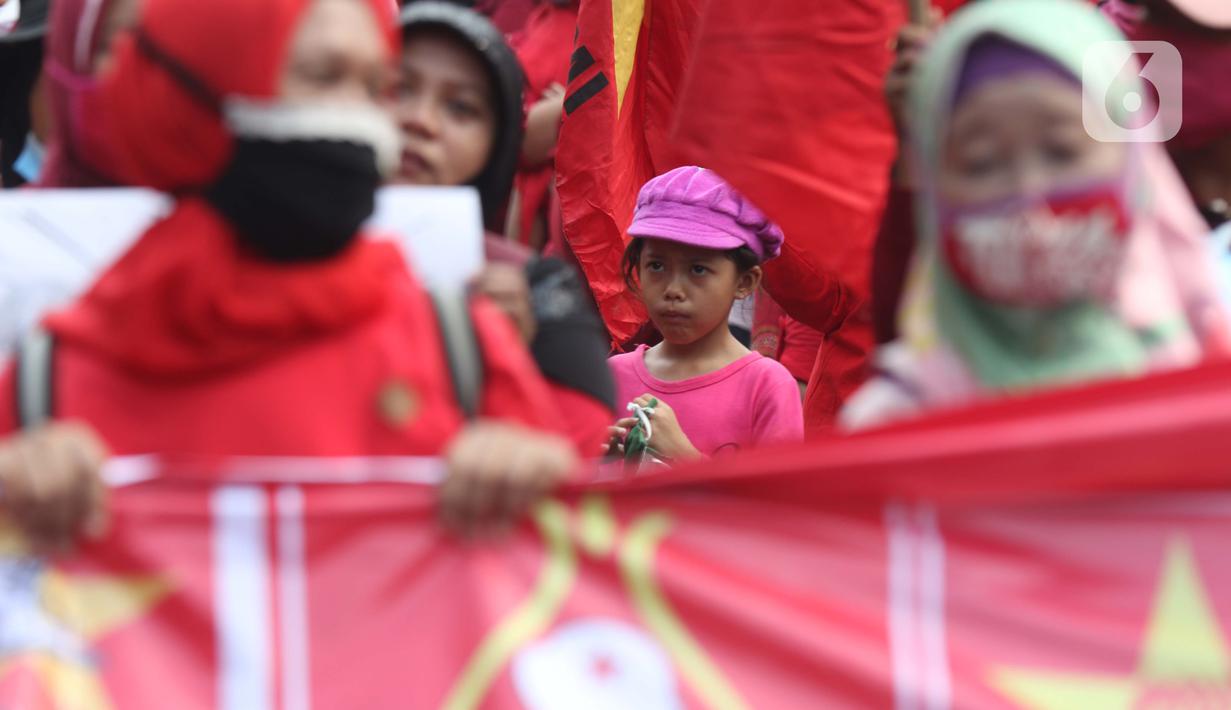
689, 290
1022, 137
337, 54
443, 107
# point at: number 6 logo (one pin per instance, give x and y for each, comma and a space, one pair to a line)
1134, 92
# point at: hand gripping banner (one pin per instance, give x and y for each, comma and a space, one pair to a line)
1067, 551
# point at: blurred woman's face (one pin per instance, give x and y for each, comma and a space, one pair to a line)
338, 54
443, 108
1021, 137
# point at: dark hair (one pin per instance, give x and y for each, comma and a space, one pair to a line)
743, 257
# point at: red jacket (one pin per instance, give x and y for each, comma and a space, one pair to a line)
189, 347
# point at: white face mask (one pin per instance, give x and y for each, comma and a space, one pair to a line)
283, 120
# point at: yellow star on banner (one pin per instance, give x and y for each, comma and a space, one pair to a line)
1184, 663
51, 619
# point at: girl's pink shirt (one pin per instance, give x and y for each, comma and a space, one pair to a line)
754, 401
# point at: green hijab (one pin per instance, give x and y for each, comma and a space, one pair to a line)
1011, 347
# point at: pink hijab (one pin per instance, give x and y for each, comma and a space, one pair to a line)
73, 37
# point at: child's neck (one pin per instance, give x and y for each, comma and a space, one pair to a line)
681, 361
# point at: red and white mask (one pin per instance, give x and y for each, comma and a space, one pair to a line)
1040, 252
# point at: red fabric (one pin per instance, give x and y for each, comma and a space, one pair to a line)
779, 336
509, 16
585, 418
801, 346
767, 326
187, 346
607, 150
72, 40
841, 367
784, 99
187, 299
163, 136
895, 243
1067, 542
949, 6
543, 49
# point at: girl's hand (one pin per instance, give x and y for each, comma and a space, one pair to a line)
50, 484
495, 472
667, 438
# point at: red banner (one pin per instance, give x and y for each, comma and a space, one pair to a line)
1068, 551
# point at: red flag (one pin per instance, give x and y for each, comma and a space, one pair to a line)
783, 99
629, 58
1066, 551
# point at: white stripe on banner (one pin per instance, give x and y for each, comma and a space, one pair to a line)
130, 470
902, 647
932, 608
293, 600
916, 608
241, 598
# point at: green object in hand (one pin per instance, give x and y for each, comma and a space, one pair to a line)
637, 443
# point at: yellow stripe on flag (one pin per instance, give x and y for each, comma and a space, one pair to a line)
530, 619
637, 566
625, 28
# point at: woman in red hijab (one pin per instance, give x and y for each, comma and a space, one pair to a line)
252, 320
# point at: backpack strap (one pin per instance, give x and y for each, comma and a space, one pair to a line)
461, 345
34, 386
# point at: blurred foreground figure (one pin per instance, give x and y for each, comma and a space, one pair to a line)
254, 320
1200, 30
1045, 257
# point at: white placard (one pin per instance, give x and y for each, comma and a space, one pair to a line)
53, 243
10, 13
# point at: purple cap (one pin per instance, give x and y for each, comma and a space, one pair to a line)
692, 205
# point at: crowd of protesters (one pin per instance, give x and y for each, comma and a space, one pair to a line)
1016, 250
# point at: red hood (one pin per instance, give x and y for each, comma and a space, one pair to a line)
187, 300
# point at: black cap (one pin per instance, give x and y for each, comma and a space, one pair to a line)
31, 21
496, 179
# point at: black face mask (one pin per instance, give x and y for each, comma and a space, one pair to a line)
297, 200
303, 176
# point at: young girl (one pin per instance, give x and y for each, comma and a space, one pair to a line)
1045, 257
697, 246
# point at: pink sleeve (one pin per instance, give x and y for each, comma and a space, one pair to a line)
778, 414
